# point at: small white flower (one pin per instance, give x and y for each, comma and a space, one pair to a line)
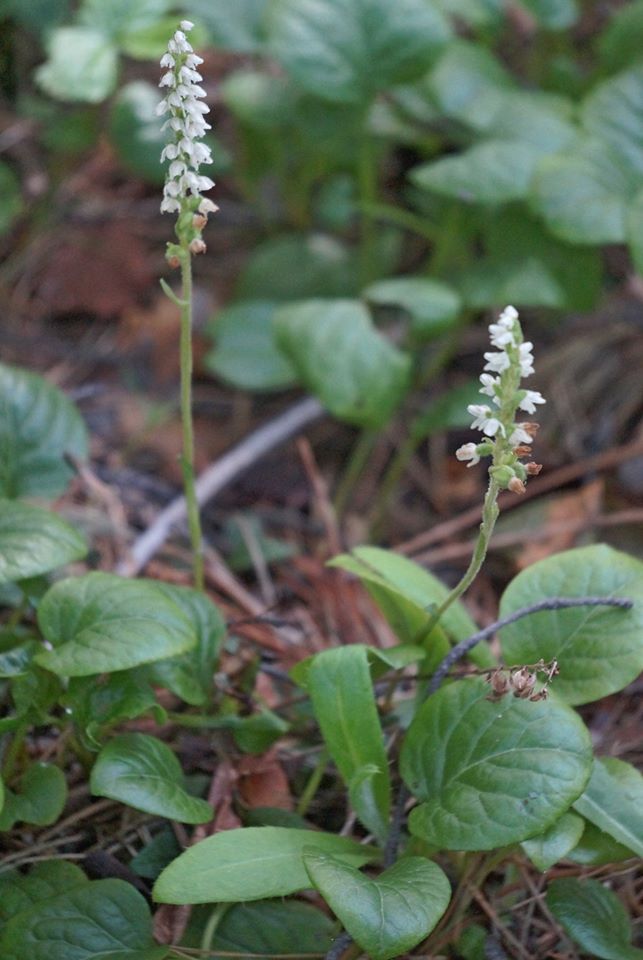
497, 362
186, 122
489, 384
484, 420
531, 398
508, 316
519, 435
468, 451
526, 359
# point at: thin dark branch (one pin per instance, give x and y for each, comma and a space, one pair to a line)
552, 603
340, 944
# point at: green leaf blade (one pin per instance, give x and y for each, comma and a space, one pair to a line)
252, 863
38, 426
34, 541
491, 773
353, 370
101, 622
389, 915
341, 690
143, 773
599, 649
594, 917
613, 802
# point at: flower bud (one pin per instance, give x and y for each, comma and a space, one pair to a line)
197, 246
199, 221
516, 485
533, 469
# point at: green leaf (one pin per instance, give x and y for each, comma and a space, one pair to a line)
38, 16
526, 265
584, 195
353, 370
492, 172
347, 50
553, 14
389, 915
613, 801
34, 541
599, 649
621, 41
298, 267
467, 82
613, 113
40, 800
556, 842
38, 425
135, 130
95, 704
100, 623
232, 24
341, 690
117, 17
11, 205
594, 917
19, 891
491, 773
143, 773
433, 306
407, 593
82, 65
246, 355
162, 849
190, 675
252, 863
105, 918
150, 42
596, 848
274, 927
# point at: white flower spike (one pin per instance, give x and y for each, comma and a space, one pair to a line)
186, 124
508, 441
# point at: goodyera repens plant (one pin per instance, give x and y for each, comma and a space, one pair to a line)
507, 441
182, 194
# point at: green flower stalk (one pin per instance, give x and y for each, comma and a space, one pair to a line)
184, 184
506, 441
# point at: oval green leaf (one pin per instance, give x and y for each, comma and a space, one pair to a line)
34, 541
40, 799
246, 355
232, 24
493, 172
555, 843
351, 368
388, 915
594, 917
613, 113
38, 426
341, 690
599, 649
99, 623
252, 863
143, 773
347, 50
190, 675
82, 65
613, 801
584, 195
432, 306
106, 918
491, 773
19, 891
407, 593
269, 927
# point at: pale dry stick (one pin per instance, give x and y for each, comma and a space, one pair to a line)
537, 486
515, 538
218, 475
